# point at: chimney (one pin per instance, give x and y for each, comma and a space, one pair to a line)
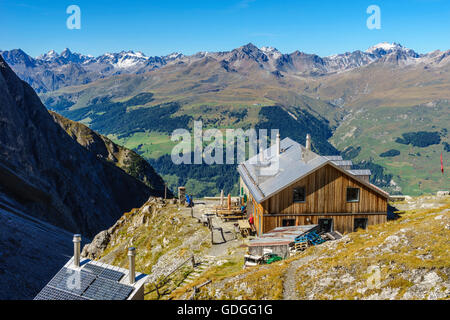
278, 142
131, 261
261, 152
308, 142
76, 249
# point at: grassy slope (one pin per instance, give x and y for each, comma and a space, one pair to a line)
206, 91
416, 170
391, 85
164, 237
412, 253
150, 145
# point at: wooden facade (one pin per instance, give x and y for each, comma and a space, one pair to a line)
326, 198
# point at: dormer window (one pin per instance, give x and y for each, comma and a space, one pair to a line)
299, 195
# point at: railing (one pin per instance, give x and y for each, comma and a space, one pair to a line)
160, 284
197, 289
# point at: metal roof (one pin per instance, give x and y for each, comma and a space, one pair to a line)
264, 178
342, 162
97, 281
263, 183
281, 236
334, 158
365, 172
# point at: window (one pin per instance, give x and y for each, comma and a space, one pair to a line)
288, 222
325, 225
359, 223
352, 194
299, 195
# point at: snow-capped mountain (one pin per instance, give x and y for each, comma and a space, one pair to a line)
384, 48
176, 55
122, 60
271, 52
51, 70
52, 54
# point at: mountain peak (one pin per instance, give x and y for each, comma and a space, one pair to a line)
66, 50
249, 46
386, 46
66, 53
271, 51
52, 53
173, 56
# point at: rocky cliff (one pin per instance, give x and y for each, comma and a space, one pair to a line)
54, 177
128, 160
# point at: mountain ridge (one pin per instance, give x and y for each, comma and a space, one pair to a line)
231, 89
92, 68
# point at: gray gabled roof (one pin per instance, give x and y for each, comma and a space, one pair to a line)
295, 162
334, 158
342, 162
363, 172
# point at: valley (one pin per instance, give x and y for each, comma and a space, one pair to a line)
344, 101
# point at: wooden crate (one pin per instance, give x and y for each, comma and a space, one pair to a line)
300, 246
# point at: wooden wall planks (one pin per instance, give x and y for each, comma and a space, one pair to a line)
326, 191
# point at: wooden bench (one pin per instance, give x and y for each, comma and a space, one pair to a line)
244, 227
224, 212
230, 217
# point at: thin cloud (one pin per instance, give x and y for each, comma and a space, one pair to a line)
243, 4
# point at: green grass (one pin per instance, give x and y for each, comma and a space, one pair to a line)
150, 145
416, 170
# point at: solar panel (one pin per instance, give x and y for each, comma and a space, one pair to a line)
103, 272
93, 268
91, 282
49, 293
111, 274
105, 289
72, 281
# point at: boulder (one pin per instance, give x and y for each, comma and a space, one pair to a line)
443, 193
94, 249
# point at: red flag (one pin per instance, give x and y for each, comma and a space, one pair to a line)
442, 164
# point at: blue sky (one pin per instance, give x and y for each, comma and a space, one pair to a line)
162, 27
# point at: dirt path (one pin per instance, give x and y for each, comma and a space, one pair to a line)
290, 283
219, 249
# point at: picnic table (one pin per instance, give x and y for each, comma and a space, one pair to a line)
224, 212
244, 227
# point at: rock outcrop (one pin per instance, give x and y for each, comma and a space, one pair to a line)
128, 160
54, 177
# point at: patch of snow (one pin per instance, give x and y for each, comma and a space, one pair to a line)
271, 51
386, 46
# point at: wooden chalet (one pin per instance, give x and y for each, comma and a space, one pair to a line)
307, 188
